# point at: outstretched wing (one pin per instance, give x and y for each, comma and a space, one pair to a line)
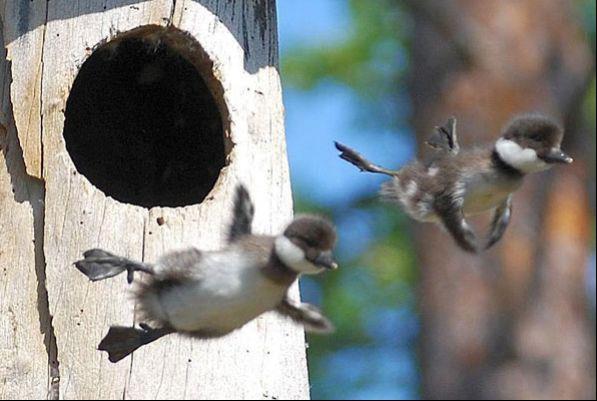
444, 138
242, 218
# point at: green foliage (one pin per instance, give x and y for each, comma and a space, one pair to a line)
379, 279
586, 11
371, 61
367, 59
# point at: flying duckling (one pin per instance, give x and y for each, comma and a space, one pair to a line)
208, 294
457, 183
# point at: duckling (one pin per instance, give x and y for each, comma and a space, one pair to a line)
207, 294
457, 183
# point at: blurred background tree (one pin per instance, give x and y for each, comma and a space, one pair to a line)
417, 317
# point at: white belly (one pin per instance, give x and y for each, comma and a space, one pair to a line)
485, 193
224, 299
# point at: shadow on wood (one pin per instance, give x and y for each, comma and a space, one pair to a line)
254, 13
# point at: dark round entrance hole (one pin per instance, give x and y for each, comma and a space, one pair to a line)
142, 122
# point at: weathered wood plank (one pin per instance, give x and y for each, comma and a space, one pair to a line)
78, 216
23, 356
266, 358
24, 27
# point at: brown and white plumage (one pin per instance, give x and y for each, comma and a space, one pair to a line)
207, 294
457, 183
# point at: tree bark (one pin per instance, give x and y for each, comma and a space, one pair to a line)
50, 327
513, 322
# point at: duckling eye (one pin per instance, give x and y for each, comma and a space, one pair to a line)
310, 243
536, 137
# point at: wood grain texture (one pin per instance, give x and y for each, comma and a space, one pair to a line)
24, 28
23, 356
266, 359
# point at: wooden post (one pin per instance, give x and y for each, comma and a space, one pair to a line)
81, 166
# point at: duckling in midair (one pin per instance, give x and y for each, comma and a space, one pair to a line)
457, 183
207, 294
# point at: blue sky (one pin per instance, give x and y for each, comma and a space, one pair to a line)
314, 120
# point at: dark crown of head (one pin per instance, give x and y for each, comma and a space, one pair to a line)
533, 129
315, 231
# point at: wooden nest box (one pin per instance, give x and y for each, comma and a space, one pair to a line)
126, 125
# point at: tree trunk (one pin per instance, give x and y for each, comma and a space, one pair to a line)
55, 203
513, 322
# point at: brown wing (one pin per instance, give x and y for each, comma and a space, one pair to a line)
444, 138
242, 216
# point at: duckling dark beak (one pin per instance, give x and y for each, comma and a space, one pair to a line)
557, 156
326, 260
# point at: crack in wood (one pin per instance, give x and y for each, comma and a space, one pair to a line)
212, 23
37, 190
39, 229
29, 189
172, 12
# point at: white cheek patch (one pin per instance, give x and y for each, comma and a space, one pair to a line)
294, 257
514, 155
